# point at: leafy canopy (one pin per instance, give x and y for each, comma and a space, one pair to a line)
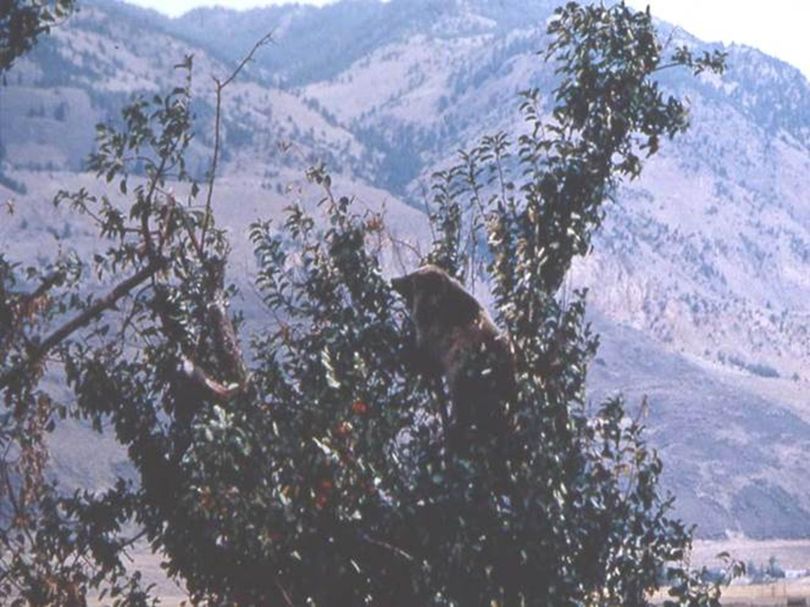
23, 21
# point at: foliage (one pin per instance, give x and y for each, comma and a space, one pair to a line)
23, 21
317, 474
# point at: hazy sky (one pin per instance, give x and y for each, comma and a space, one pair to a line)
778, 27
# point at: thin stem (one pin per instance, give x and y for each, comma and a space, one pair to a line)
220, 85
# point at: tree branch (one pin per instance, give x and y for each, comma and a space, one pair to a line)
398, 551
220, 85
227, 340
78, 321
214, 389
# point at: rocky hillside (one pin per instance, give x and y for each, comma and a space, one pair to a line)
700, 275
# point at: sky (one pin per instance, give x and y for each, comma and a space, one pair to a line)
777, 27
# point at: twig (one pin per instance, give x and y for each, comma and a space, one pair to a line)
397, 245
387, 546
428, 213
24, 307
175, 208
284, 594
672, 33
667, 66
47, 283
145, 230
220, 85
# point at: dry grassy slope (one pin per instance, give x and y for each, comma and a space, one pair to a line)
734, 458
709, 253
699, 275
98, 61
708, 261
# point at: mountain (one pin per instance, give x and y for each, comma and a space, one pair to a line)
700, 275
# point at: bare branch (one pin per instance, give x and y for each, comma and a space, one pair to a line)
215, 390
220, 86
387, 546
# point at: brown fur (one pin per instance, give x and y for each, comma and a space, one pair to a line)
456, 339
